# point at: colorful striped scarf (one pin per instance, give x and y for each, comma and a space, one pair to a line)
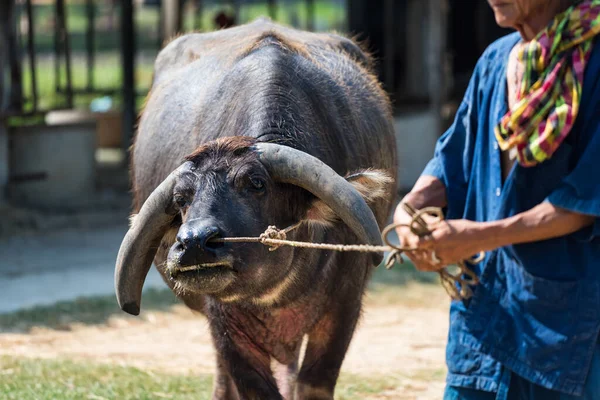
549, 94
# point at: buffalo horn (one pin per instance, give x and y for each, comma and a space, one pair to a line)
141, 243
296, 167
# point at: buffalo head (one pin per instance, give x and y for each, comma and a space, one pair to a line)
237, 187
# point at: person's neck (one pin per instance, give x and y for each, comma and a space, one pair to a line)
540, 19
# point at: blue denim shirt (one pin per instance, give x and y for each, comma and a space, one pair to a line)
537, 308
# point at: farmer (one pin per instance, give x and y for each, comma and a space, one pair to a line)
518, 176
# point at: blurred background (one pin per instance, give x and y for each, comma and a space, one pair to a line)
73, 78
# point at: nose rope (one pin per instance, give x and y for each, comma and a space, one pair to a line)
458, 285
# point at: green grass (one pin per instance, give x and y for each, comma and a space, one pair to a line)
22, 378
41, 379
357, 387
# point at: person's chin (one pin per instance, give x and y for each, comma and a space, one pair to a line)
505, 22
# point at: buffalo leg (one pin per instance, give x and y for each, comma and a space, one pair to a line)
327, 346
251, 375
286, 376
223, 386
247, 364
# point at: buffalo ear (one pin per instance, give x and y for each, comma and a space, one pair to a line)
372, 184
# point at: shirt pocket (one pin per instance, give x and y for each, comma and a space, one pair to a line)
542, 325
553, 322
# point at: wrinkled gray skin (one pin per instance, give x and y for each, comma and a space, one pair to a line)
313, 92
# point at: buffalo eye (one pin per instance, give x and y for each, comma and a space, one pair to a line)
181, 201
258, 183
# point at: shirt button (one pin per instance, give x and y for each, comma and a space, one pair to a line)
495, 145
498, 192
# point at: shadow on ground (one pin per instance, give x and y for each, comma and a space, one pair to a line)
83, 310
95, 310
402, 274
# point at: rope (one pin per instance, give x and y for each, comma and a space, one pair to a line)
458, 286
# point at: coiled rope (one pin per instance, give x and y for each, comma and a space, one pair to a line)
457, 285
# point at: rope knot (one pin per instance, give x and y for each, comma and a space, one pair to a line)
272, 233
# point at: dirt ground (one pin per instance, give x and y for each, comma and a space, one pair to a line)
402, 335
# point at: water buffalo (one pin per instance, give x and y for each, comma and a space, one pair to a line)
244, 128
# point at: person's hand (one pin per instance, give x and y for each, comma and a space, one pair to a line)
422, 259
455, 240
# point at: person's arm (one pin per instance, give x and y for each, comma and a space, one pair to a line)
457, 240
429, 191
545, 221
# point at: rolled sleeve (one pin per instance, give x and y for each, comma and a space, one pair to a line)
434, 168
579, 191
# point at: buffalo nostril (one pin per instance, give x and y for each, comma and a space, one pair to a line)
200, 237
185, 238
212, 244
179, 246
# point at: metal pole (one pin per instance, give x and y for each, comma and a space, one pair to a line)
11, 98
310, 15
31, 51
272, 9
90, 43
169, 18
7, 88
436, 50
4, 155
128, 61
56, 49
198, 15
179, 23
6, 12
64, 34
160, 27
390, 47
237, 11
3, 57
